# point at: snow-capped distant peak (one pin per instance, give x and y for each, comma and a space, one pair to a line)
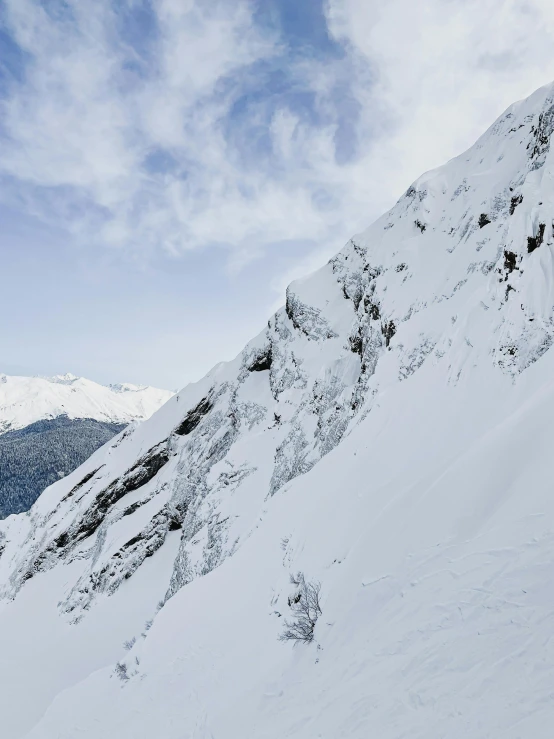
126, 387
25, 400
66, 379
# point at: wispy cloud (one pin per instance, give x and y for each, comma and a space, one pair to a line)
443, 71
197, 129
180, 124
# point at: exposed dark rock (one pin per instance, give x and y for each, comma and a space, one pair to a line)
483, 220
80, 484
218, 448
123, 563
134, 507
194, 416
261, 362
356, 344
146, 468
542, 133
510, 261
289, 311
307, 319
401, 267
515, 201
420, 225
533, 242
388, 329
372, 308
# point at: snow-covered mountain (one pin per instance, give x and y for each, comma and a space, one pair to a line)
389, 436
25, 400
51, 425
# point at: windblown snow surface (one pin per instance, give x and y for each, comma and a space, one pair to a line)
389, 435
25, 400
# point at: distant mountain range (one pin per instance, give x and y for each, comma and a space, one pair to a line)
24, 400
51, 425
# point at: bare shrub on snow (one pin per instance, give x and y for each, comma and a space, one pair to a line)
305, 606
147, 627
121, 671
128, 645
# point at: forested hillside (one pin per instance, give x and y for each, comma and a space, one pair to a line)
43, 452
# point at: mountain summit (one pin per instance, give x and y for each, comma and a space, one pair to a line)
376, 462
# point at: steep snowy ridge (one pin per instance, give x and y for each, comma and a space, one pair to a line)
25, 400
389, 435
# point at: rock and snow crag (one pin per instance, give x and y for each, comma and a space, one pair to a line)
389, 435
26, 400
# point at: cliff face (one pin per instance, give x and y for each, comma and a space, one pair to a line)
387, 435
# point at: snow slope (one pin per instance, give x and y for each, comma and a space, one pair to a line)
389, 435
25, 400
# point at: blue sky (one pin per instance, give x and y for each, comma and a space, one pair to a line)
167, 166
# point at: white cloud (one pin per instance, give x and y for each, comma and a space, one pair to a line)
86, 127
443, 71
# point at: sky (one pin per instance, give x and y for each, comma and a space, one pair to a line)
168, 166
